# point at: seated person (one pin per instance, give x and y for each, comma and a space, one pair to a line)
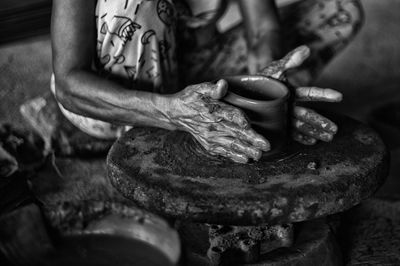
119, 64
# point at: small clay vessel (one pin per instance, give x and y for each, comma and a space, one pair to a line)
265, 101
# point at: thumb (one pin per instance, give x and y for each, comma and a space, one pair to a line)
252, 63
220, 89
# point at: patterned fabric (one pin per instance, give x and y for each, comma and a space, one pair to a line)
138, 42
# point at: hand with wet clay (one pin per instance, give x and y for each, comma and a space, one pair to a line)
220, 128
308, 126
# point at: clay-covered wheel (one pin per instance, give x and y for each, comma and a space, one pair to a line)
166, 172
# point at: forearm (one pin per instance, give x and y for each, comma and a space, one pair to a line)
79, 89
260, 17
87, 94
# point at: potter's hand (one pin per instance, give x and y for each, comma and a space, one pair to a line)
220, 128
308, 126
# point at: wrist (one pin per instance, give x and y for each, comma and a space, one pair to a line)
264, 37
165, 107
267, 45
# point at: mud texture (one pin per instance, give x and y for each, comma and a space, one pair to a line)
166, 172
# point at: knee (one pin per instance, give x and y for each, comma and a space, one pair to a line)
355, 14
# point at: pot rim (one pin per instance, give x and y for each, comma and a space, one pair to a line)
233, 97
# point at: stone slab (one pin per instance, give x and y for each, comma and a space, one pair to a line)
166, 172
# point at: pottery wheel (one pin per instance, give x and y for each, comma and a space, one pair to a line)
167, 172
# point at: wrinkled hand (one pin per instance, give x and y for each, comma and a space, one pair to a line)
220, 128
308, 125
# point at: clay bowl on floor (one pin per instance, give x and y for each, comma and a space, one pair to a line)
265, 101
116, 240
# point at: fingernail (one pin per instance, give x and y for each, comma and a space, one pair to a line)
240, 159
304, 49
334, 128
265, 146
222, 88
311, 141
334, 95
245, 124
222, 83
327, 137
257, 155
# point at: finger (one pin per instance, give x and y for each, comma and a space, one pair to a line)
234, 115
215, 148
293, 59
234, 156
236, 146
242, 148
318, 94
215, 91
312, 131
303, 139
313, 118
248, 135
296, 57
219, 90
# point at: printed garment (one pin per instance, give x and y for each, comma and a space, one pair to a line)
136, 42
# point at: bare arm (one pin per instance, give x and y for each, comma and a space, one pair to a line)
79, 89
263, 32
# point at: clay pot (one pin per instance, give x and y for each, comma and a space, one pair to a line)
265, 102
